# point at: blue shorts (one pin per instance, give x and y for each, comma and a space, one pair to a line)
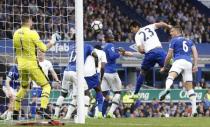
154, 56
36, 92
92, 81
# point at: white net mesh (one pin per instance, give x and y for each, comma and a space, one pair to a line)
49, 16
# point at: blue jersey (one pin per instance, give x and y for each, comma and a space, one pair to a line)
14, 76
72, 60
111, 56
182, 48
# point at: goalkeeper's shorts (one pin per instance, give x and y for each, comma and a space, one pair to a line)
35, 74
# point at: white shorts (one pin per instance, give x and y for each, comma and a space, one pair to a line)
69, 82
184, 67
111, 81
14, 91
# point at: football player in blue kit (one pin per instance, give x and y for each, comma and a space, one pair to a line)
10, 90
180, 49
111, 79
70, 78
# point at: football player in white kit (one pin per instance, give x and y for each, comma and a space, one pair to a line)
181, 49
92, 77
70, 78
91, 70
47, 67
149, 44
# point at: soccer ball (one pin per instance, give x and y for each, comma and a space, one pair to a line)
96, 25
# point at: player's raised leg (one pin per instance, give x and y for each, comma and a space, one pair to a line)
42, 80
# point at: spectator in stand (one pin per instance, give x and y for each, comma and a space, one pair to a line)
194, 24
207, 100
198, 86
203, 83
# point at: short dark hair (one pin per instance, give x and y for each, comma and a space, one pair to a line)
178, 28
25, 18
134, 24
98, 47
109, 37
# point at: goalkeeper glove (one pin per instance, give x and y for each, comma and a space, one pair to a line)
55, 37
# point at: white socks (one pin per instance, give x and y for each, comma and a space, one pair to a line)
169, 82
192, 97
9, 115
87, 104
58, 104
115, 103
71, 109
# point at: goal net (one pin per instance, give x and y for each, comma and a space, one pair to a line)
49, 16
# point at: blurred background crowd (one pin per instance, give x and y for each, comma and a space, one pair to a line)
53, 15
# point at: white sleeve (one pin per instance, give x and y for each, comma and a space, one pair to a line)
152, 26
103, 57
50, 66
138, 39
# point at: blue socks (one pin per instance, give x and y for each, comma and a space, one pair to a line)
139, 82
33, 110
105, 106
99, 99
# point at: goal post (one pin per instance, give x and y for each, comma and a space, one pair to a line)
80, 58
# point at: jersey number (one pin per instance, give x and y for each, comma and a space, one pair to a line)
185, 47
72, 56
146, 36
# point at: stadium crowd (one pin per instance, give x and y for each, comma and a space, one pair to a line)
52, 15
195, 25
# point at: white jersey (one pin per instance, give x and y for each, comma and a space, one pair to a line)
101, 58
147, 37
46, 66
90, 68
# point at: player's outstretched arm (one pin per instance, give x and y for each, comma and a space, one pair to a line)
123, 52
54, 75
162, 25
167, 59
54, 38
195, 59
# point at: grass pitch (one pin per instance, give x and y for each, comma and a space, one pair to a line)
138, 122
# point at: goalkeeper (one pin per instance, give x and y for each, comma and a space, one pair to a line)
26, 42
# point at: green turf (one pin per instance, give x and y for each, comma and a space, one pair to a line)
142, 122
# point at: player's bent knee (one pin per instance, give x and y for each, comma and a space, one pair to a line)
188, 85
116, 99
46, 89
170, 77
